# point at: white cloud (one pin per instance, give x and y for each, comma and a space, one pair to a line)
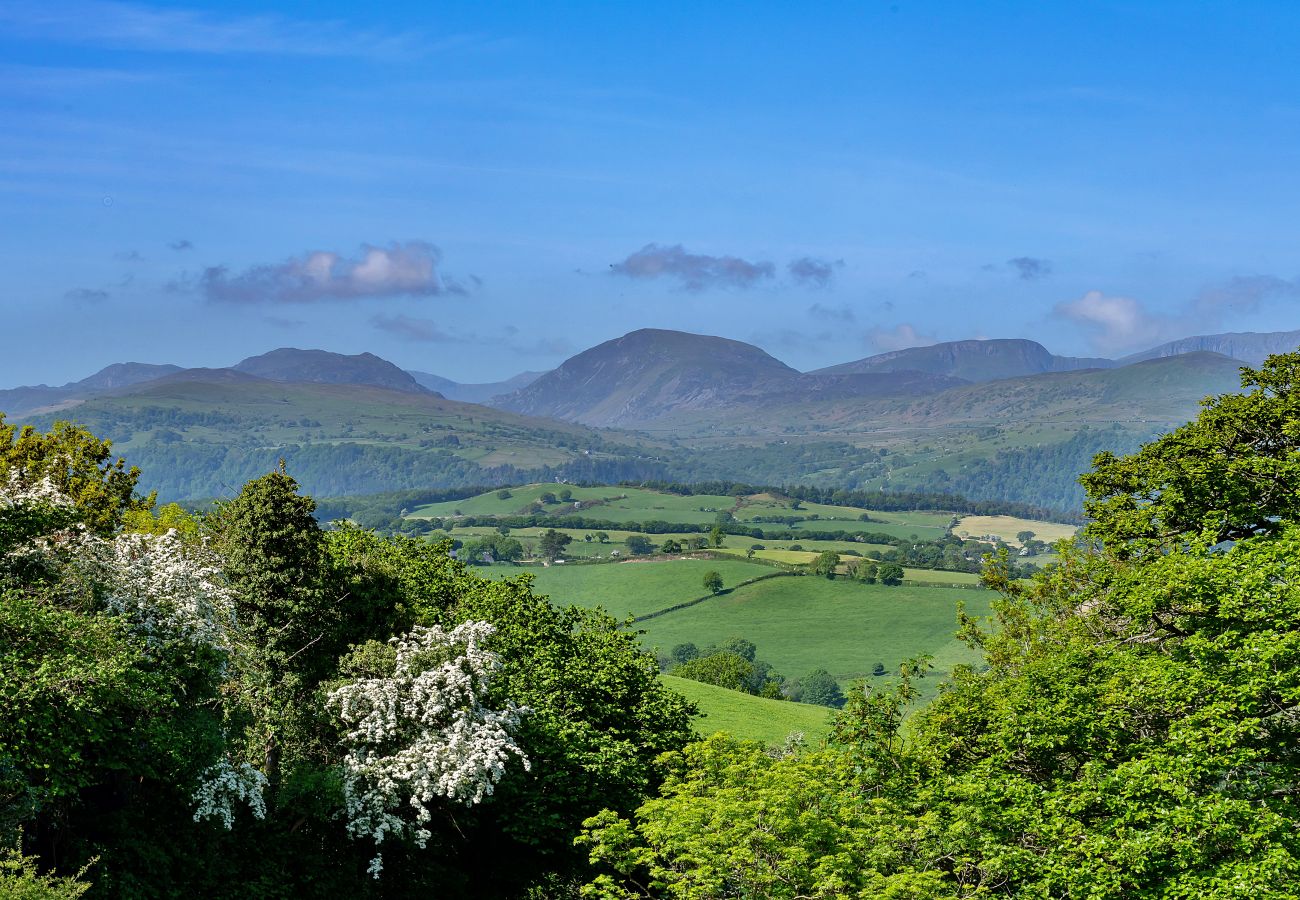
1115, 323
400, 269
900, 337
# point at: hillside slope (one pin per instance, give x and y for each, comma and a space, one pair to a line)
975, 360
1249, 346
323, 367
649, 373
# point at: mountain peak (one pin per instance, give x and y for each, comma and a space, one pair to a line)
649, 373
972, 360
325, 367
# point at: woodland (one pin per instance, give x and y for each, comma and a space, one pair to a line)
247, 703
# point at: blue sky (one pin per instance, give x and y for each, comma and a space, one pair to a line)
476, 189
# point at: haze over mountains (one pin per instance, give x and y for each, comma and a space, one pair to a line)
997, 419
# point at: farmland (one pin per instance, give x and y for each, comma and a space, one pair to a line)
798, 623
751, 718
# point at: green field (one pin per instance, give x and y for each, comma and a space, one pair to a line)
614, 504
752, 718
804, 623
628, 504
799, 623
631, 588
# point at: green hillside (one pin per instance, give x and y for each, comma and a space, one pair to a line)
633, 588
201, 438
799, 623
752, 718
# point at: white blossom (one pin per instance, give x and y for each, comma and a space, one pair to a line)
169, 589
423, 733
224, 783
20, 491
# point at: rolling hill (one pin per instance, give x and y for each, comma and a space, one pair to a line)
649, 373
1249, 346
289, 364
970, 360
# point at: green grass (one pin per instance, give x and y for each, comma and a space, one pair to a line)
628, 504
631, 588
614, 504
804, 623
751, 718
799, 623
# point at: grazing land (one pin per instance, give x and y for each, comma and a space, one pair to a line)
1007, 527
752, 718
799, 623
633, 588
804, 623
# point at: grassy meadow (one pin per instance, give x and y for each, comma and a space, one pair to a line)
751, 718
799, 623
633, 588
1007, 527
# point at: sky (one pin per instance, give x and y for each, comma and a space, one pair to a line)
476, 189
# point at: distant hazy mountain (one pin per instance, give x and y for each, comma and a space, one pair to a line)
473, 393
971, 360
648, 373
21, 400
323, 367
123, 374
1248, 346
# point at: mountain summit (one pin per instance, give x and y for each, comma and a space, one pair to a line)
324, 367
648, 374
972, 360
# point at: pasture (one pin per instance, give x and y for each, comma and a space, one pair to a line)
799, 623
752, 718
1007, 527
630, 504
633, 588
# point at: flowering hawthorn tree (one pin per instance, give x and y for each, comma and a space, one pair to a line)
423, 733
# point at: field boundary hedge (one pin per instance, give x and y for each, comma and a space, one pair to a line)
689, 603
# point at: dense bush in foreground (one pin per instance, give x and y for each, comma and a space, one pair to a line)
1136, 732
249, 706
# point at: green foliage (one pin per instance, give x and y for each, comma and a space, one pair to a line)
638, 545
552, 543
598, 716
684, 652
890, 573
1231, 473
712, 581
736, 820
724, 669
826, 564
20, 880
79, 464
818, 687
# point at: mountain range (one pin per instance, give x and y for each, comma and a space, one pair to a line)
996, 419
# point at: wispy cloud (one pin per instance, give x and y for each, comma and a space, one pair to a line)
832, 313
1030, 268
409, 328
400, 269
87, 295
181, 245
139, 26
128, 256
693, 271
21, 79
900, 337
1244, 293
1116, 323
813, 272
